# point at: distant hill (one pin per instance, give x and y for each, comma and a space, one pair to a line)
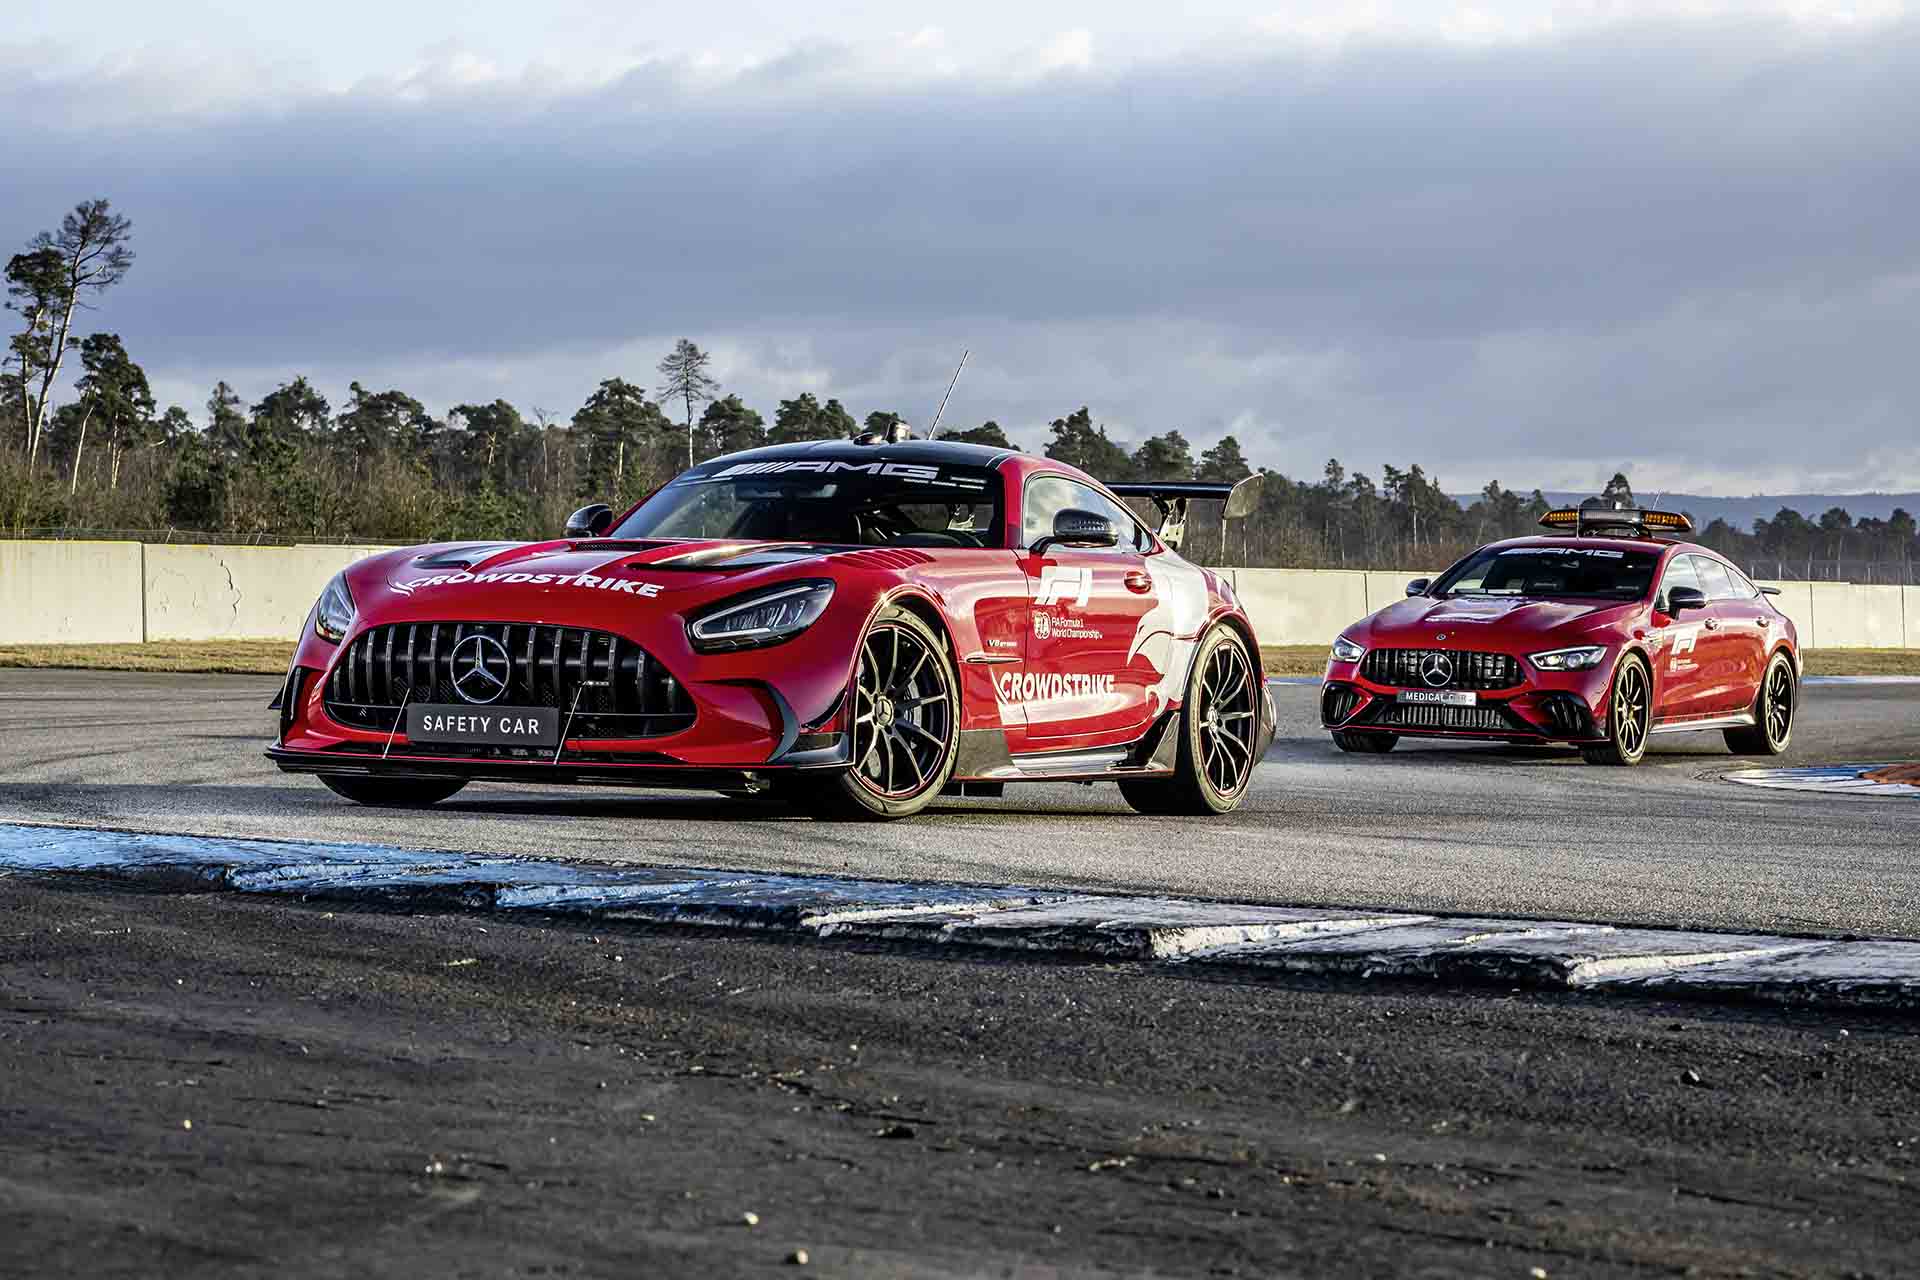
1742, 512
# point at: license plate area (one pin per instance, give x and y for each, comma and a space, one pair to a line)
454, 725
1439, 697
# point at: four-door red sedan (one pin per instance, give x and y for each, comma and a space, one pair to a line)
854, 626
1601, 637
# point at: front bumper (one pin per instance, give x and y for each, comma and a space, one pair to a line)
779, 708
1568, 706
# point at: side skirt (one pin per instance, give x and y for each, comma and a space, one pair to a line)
1744, 720
983, 756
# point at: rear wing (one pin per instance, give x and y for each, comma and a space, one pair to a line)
1172, 497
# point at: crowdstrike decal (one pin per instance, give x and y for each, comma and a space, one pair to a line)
1025, 686
586, 581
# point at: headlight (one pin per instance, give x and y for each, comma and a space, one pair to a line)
1345, 650
764, 618
1578, 659
334, 614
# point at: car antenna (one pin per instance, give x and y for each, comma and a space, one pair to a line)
933, 432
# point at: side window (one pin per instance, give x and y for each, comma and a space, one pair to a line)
1713, 578
1047, 496
1742, 588
1679, 574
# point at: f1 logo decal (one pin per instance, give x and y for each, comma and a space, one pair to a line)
1065, 584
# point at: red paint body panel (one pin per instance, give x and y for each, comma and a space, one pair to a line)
1707, 665
767, 708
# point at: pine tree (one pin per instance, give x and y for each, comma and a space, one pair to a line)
685, 380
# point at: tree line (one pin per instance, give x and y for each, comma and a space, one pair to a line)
382, 467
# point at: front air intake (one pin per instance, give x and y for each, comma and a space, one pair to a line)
612, 686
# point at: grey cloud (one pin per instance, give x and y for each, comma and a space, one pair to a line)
1686, 245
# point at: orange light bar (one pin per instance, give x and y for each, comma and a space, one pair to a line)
1578, 520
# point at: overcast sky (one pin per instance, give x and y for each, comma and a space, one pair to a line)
1526, 241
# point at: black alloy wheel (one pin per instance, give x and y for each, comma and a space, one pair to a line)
1773, 709
1629, 716
1220, 730
393, 793
905, 731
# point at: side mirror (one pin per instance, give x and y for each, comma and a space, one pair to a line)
1418, 587
1679, 598
590, 522
1076, 528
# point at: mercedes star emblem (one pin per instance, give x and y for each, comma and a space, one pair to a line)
480, 668
1437, 670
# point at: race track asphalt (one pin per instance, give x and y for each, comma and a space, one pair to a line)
1450, 828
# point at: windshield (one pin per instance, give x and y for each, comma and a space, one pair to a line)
871, 504
1585, 572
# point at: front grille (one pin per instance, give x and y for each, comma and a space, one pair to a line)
1403, 715
621, 690
1401, 668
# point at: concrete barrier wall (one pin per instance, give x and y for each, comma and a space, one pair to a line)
1796, 601
70, 593
1385, 588
1301, 606
1310, 606
1857, 617
123, 592
237, 593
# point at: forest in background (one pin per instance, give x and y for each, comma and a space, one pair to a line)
381, 467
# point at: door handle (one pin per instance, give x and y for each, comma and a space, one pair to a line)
1138, 582
1713, 624
1764, 621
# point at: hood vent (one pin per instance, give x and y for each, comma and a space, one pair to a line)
463, 557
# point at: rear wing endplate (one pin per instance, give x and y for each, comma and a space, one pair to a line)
1172, 497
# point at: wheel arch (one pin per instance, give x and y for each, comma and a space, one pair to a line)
1637, 649
1236, 621
917, 602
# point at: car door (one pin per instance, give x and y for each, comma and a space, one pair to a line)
1083, 684
1679, 676
1736, 647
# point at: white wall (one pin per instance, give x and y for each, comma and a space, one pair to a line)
123, 592
70, 593
1310, 606
237, 593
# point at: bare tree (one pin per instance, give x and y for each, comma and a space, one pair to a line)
88, 255
685, 371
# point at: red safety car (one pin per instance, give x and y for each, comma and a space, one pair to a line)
1602, 637
854, 626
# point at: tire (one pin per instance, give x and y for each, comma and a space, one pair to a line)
1629, 715
1774, 707
1219, 725
1366, 744
906, 729
394, 793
